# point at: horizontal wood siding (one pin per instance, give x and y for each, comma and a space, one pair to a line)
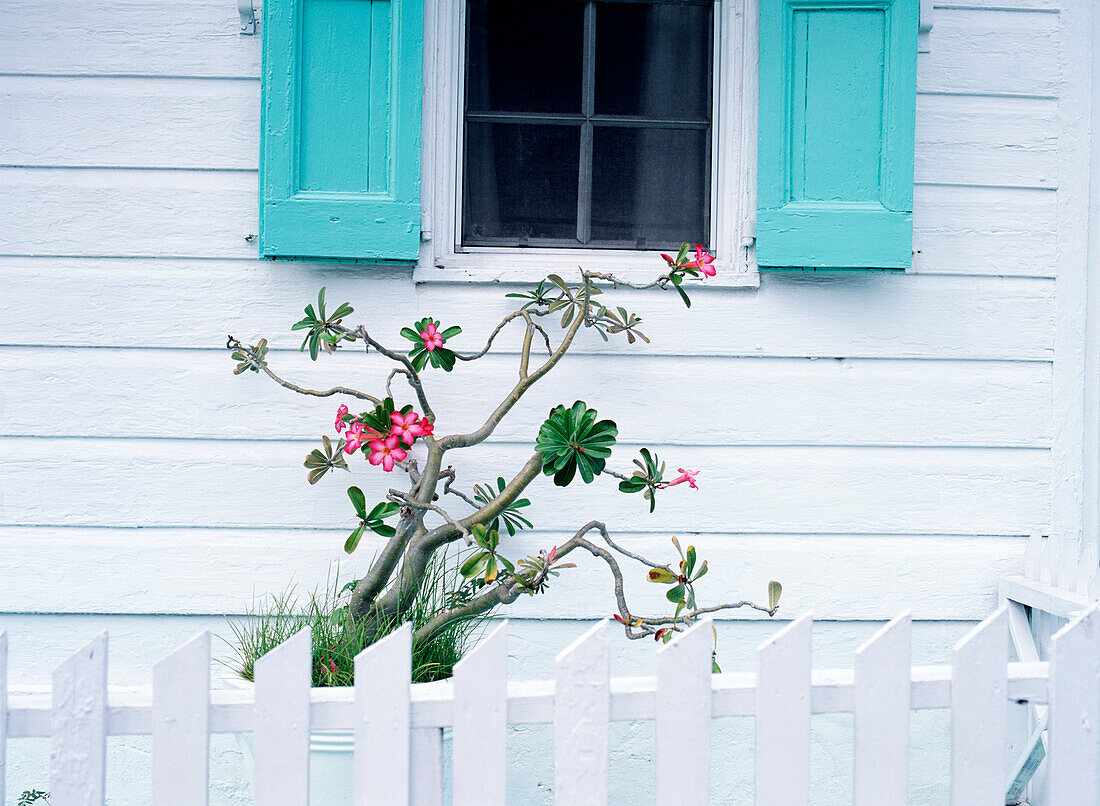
875, 442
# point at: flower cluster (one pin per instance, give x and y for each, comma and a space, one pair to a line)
701, 263
385, 447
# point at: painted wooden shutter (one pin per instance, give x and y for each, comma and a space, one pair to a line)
340, 152
835, 143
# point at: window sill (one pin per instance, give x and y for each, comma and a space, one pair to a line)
531, 265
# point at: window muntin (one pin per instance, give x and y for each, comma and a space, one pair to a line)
587, 124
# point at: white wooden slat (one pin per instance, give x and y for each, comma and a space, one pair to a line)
3, 709
109, 212
894, 316
582, 710
479, 754
1074, 744
200, 38
882, 688
382, 707
979, 714
181, 719
682, 749
783, 716
78, 728
427, 760
777, 400
878, 490
280, 742
211, 124
1033, 557
827, 572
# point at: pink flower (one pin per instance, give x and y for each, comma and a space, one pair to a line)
685, 476
426, 428
432, 337
353, 438
668, 259
340, 424
406, 426
702, 261
386, 452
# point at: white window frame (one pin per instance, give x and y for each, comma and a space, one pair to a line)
733, 185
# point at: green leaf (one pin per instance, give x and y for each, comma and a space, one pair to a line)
775, 590
675, 593
451, 332
474, 564
689, 563
411, 335
381, 528
353, 539
359, 501
683, 295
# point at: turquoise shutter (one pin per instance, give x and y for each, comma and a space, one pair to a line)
835, 142
340, 145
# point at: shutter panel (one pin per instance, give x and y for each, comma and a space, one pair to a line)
340, 146
835, 143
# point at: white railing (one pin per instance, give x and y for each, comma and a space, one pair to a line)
398, 727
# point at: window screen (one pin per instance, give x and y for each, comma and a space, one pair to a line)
587, 123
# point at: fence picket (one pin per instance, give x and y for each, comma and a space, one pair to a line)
582, 708
783, 716
382, 708
882, 676
3, 709
481, 723
1074, 744
181, 725
979, 714
78, 727
280, 741
684, 680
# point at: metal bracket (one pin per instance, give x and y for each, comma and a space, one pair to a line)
924, 27
248, 17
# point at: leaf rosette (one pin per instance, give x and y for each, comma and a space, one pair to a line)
572, 440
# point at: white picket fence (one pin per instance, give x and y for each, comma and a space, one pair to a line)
398, 727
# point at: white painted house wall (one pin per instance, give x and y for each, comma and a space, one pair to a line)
874, 441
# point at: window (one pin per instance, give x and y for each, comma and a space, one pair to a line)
485, 222
587, 123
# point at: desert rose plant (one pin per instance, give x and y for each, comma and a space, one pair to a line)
418, 521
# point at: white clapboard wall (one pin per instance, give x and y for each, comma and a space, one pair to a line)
398, 726
848, 430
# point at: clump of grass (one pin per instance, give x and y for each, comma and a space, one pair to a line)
337, 639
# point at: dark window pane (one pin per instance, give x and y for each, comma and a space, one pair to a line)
653, 60
650, 187
520, 182
524, 56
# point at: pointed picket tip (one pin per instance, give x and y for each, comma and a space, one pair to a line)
185, 654
395, 647
1080, 627
597, 636
888, 633
998, 620
699, 633
796, 631
489, 647
297, 645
